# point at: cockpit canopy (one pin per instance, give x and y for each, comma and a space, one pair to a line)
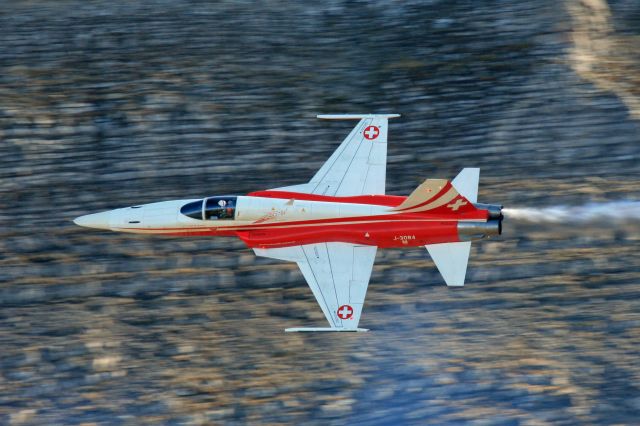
212, 208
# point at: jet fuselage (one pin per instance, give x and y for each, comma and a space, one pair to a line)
268, 219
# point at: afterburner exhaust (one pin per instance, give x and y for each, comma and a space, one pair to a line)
495, 210
470, 231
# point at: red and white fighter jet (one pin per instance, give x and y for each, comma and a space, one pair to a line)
332, 225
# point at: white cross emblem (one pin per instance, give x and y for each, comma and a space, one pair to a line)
371, 132
345, 312
459, 203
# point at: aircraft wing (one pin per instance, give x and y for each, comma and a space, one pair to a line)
359, 165
338, 275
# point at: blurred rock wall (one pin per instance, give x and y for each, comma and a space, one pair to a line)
108, 104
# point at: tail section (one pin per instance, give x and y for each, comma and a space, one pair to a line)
452, 258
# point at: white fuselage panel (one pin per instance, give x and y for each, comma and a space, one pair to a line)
269, 210
249, 210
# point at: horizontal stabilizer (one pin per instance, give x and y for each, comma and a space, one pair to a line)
451, 260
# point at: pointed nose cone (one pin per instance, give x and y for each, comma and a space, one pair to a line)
96, 220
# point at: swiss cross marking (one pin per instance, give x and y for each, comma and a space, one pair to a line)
371, 132
459, 203
345, 312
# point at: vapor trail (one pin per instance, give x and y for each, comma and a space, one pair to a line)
617, 211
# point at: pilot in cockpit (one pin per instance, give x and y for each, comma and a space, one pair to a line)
222, 211
226, 209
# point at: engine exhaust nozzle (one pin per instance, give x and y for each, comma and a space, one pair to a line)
470, 231
495, 210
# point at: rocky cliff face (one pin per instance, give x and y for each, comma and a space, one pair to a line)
104, 105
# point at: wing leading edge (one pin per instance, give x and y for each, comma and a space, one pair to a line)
338, 275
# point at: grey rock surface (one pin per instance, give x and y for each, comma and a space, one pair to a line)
108, 104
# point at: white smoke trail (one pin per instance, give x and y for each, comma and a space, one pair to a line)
616, 211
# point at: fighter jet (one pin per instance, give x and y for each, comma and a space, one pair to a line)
333, 225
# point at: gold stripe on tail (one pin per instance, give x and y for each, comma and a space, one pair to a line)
440, 201
427, 191
433, 193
